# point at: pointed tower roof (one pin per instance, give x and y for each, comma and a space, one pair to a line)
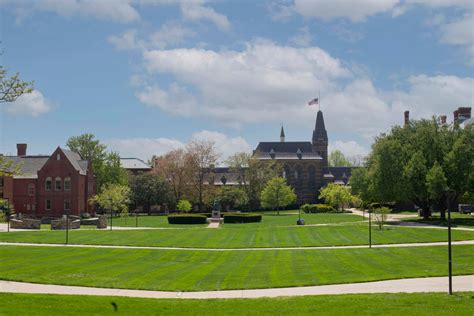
282, 132
320, 133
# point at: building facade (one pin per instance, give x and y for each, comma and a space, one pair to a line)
49, 186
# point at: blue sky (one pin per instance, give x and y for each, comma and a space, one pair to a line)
146, 76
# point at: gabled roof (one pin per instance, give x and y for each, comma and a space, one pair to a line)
289, 147
76, 161
134, 164
29, 165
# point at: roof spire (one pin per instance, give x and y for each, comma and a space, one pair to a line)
320, 134
282, 134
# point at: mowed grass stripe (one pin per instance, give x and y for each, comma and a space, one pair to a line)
245, 238
206, 270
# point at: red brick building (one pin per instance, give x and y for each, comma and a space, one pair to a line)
49, 186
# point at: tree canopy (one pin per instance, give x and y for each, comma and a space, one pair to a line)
277, 194
337, 159
336, 195
12, 88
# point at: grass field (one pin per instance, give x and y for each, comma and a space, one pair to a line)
242, 236
176, 270
457, 220
269, 219
459, 304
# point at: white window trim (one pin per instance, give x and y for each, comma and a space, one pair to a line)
46, 205
64, 205
46, 184
60, 181
67, 179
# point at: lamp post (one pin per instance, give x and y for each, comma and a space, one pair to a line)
136, 217
67, 226
450, 258
370, 228
111, 213
7, 213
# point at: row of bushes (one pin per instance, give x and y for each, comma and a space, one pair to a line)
201, 218
242, 218
318, 208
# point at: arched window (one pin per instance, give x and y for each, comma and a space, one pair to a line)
67, 184
286, 172
31, 189
57, 184
49, 184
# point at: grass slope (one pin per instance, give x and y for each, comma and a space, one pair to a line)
361, 304
242, 236
214, 270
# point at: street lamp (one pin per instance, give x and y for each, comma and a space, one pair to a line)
111, 213
450, 258
370, 227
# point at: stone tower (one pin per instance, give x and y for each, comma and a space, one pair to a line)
282, 135
320, 138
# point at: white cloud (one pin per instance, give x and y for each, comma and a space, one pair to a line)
264, 81
115, 10
356, 11
350, 148
124, 41
145, 148
31, 104
458, 32
195, 11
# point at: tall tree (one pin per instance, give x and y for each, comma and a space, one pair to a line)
113, 197
88, 147
149, 189
337, 159
12, 88
202, 157
336, 195
277, 194
173, 166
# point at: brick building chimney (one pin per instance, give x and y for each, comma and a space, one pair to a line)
443, 119
407, 117
21, 149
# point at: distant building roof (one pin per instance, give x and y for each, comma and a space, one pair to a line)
134, 164
28, 165
285, 150
77, 162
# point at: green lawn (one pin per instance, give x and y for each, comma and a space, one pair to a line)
242, 236
457, 220
459, 304
214, 270
286, 218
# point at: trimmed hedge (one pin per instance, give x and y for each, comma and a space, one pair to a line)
242, 218
318, 208
187, 219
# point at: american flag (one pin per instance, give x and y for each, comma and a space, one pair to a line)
313, 102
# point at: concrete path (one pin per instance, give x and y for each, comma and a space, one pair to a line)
427, 244
213, 225
437, 284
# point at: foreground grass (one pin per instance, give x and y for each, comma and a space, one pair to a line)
360, 304
176, 270
269, 219
243, 236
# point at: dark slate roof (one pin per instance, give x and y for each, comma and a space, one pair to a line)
134, 164
288, 147
29, 165
231, 178
320, 133
339, 174
76, 160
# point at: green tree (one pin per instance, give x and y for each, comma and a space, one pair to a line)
336, 195
113, 196
436, 184
88, 147
149, 189
277, 194
380, 215
360, 185
110, 171
184, 206
337, 159
414, 178
12, 88
232, 197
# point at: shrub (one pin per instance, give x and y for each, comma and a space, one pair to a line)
242, 218
187, 219
318, 208
184, 206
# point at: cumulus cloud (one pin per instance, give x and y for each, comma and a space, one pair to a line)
350, 149
195, 11
332, 9
145, 148
30, 104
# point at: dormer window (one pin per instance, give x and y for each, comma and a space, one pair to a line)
272, 153
299, 153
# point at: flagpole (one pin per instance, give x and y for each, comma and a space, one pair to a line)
319, 99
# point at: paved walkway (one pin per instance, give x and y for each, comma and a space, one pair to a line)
437, 284
427, 244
